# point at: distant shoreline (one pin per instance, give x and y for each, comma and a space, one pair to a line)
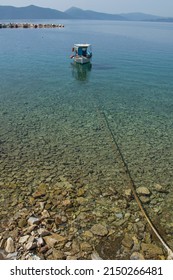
30, 25
35, 12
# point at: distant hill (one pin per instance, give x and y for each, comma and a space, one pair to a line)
34, 12
87, 14
30, 12
140, 17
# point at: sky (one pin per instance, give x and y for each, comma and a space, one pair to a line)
156, 7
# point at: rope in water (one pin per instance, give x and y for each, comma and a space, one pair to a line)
132, 184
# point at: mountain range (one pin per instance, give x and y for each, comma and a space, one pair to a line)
34, 12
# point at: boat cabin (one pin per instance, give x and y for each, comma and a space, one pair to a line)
82, 53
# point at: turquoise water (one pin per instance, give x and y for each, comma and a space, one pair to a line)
51, 121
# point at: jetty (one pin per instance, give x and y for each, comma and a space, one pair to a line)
30, 25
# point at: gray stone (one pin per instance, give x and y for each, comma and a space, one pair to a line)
33, 257
33, 221
12, 256
119, 215
40, 242
137, 256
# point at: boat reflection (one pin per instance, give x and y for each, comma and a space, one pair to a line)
81, 72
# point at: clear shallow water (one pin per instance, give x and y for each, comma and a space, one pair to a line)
50, 111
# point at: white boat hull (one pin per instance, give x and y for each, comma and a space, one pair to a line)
81, 59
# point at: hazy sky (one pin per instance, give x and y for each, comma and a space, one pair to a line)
157, 7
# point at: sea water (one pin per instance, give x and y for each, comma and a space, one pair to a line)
51, 111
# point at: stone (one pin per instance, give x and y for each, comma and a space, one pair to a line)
45, 214
144, 199
48, 206
43, 232
33, 257
58, 220
81, 200
127, 241
119, 215
95, 256
2, 256
136, 244
151, 250
160, 188
22, 223
137, 256
30, 245
33, 221
23, 239
54, 239
71, 258
42, 205
128, 193
86, 247
30, 229
68, 245
57, 254
75, 247
44, 249
31, 238
2, 244
40, 242
87, 234
99, 229
143, 191
81, 192
39, 193
12, 256
10, 246
67, 203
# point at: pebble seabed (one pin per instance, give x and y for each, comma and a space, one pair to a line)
70, 220
69, 198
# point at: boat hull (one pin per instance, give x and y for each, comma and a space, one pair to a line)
81, 59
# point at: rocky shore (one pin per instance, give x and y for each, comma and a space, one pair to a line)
70, 221
30, 25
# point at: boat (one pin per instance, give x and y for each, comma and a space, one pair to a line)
82, 53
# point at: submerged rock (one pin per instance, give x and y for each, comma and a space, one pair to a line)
99, 230
160, 188
127, 241
151, 250
143, 191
